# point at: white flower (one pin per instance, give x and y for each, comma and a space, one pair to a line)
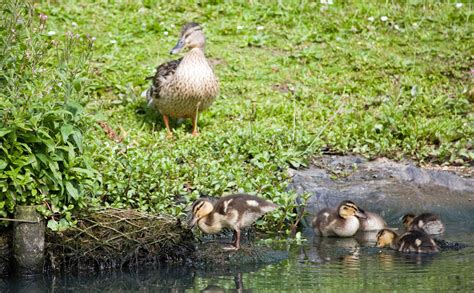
166, 33
459, 5
259, 28
415, 24
51, 33
371, 18
60, 84
113, 41
384, 18
239, 27
328, 2
396, 27
74, 24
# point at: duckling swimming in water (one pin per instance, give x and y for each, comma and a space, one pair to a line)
184, 87
372, 222
342, 221
416, 241
430, 223
234, 211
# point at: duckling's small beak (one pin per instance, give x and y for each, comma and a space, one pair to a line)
192, 222
178, 47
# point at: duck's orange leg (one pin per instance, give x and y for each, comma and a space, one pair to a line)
167, 124
195, 122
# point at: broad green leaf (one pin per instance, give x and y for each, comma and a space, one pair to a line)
66, 131
71, 190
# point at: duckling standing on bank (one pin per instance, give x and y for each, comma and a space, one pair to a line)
412, 241
430, 223
342, 222
184, 87
234, 211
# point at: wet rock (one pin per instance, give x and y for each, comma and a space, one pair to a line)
386, 187
212, 256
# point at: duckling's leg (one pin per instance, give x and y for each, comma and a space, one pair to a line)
237, 238
236, 244
167, 124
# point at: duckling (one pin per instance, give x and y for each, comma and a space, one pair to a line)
428, 222
372, 222
342, 222
234, 211
184, 87
412, 241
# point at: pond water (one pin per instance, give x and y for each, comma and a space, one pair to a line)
328, 264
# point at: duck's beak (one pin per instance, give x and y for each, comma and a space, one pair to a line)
178, 46
193, 222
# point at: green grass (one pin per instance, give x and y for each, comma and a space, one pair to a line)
295, 77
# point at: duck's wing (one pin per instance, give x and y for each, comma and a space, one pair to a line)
163, 72
325, 220
243, 203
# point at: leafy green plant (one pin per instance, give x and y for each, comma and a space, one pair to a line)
42, 156
376, 79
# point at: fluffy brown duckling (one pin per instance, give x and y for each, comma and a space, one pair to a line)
372, 222
342, 221
416, 241
234, 211
430, 223
184, 87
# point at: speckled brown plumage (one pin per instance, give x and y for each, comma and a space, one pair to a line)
182, 88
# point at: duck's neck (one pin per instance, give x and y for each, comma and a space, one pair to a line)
395, 244
194, 55
209, 224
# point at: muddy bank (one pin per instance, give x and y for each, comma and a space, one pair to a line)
386, 187
112, 239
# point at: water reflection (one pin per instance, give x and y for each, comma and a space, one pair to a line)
328, 264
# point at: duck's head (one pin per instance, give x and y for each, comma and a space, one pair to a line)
191, 36
347, 209
200, 209
407, 220
385, 237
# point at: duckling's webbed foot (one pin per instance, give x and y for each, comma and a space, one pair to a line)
230, 248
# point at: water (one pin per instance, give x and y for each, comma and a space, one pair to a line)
326, 264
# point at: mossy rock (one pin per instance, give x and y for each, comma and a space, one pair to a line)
214, 256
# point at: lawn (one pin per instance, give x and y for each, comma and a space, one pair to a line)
297, 78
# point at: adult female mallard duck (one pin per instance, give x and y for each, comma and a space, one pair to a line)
342, 222
233, 211
412, 241
430, 223
184, 87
